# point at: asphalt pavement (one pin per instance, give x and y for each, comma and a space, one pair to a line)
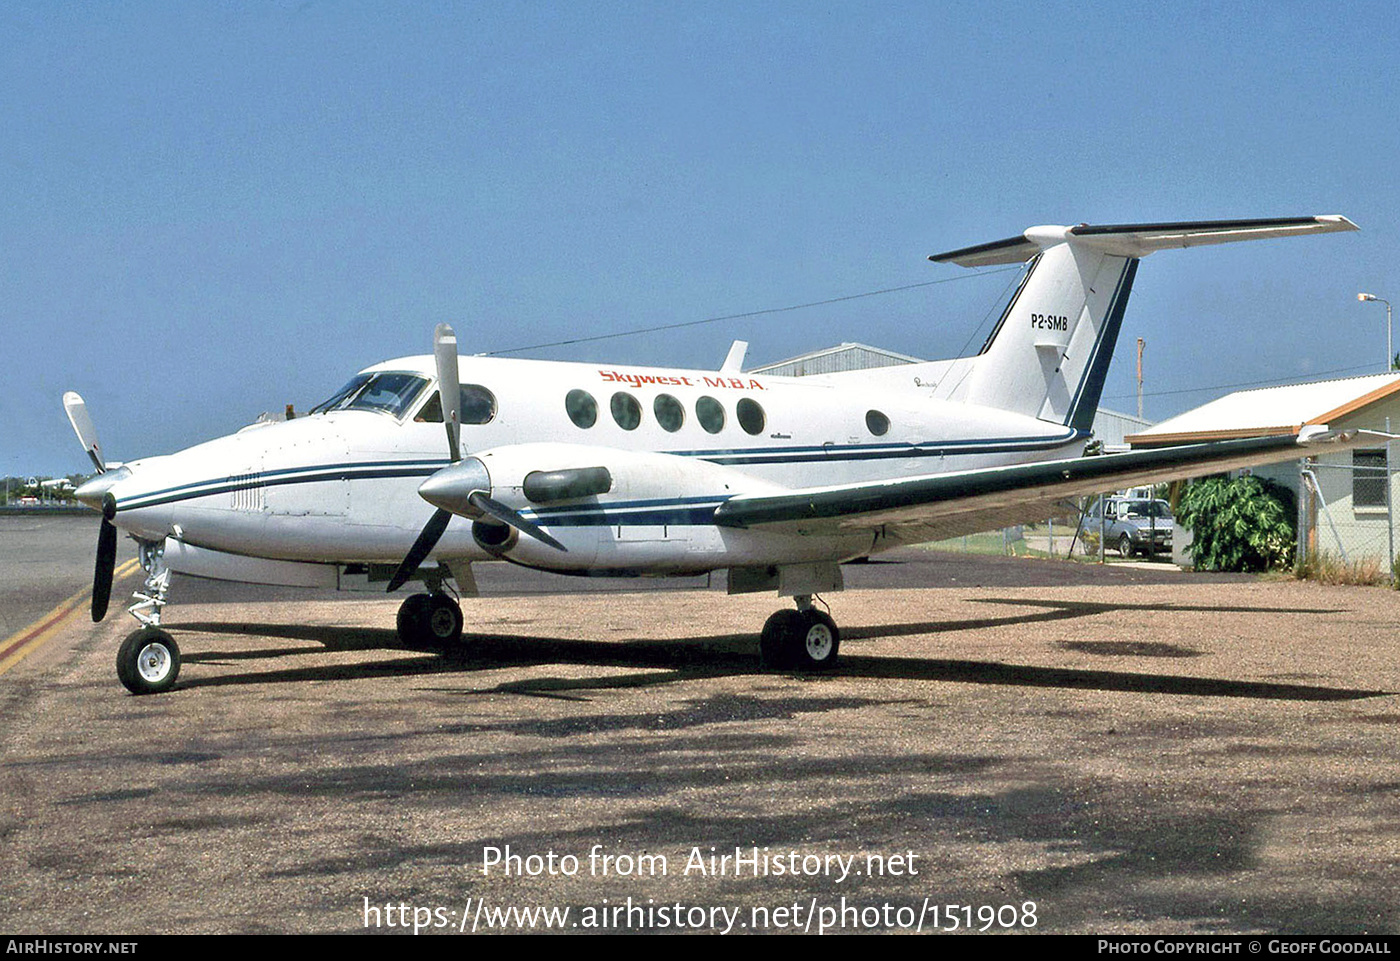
1018, 745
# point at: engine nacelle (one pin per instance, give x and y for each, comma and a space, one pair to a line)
612, 509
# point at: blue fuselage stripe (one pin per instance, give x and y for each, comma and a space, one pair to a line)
379, 470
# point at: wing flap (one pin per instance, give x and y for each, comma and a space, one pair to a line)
933, 507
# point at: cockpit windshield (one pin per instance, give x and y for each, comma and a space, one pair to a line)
391, 392
342, 395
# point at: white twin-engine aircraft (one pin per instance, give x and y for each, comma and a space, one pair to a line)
587, 469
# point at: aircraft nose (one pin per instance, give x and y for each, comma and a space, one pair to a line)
451, 488
92, 491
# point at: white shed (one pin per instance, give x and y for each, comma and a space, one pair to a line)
1344, 498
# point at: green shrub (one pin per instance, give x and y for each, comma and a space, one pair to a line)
1245, 524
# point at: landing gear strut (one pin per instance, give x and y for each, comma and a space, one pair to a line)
152, 597
805, 638
148, 662
430, 621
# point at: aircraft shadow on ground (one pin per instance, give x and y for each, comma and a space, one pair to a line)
668, 661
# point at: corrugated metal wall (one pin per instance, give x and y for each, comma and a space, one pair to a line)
834, 360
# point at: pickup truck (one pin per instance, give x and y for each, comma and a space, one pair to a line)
1134, 525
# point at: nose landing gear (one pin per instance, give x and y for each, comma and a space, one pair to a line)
148, 662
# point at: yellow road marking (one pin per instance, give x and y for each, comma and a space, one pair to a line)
27, 640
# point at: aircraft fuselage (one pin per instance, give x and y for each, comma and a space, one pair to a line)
340, 486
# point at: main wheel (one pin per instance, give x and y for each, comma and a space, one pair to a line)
807, 640
429, 621
1125, 546
413, 616
148, 661
819, 641
444, 621
778, 643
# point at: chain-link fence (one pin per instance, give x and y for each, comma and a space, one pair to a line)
1345, 510
1345, 515
1076, 533
1050, 538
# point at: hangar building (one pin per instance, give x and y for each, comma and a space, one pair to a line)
1110, 426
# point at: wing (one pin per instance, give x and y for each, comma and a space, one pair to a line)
935, 507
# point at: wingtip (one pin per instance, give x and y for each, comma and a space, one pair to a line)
1338, 221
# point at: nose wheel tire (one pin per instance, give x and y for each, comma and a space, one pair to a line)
148, 662
807, 640
430, 621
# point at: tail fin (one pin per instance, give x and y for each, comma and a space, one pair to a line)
1048, 356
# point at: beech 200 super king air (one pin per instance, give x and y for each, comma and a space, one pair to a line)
594, 469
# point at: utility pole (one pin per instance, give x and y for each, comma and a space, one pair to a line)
1141, 344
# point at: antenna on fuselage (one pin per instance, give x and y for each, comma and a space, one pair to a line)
734, 362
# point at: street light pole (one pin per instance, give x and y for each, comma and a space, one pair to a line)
1389, 475
1389, 348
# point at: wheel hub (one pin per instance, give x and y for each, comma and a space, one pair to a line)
442, 622
818, 642
153, 662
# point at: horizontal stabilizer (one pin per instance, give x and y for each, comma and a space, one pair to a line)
1139, 240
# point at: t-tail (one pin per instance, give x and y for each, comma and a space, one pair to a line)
1049, 353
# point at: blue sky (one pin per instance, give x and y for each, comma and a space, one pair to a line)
215, 209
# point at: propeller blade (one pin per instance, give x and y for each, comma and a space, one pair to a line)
78, 416
449, 387
421, 548
502, 513
102, 572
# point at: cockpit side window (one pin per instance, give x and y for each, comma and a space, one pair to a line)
478, 406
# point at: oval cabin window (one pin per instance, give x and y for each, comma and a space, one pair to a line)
669, 412
710, 413
626, 411
582, 408
750, 416
877, 423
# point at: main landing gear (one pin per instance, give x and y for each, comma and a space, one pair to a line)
806, 639
429, 621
